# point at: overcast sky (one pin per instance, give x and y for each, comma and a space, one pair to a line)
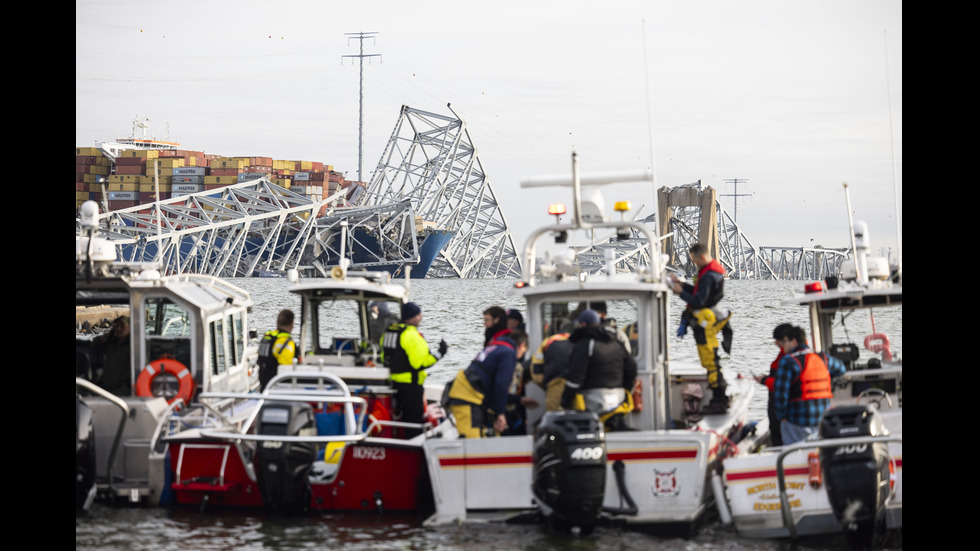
790, 98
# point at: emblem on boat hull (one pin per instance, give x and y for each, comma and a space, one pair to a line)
665, 483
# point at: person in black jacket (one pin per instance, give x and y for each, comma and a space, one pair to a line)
601, 373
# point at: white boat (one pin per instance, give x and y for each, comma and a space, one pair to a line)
657, 472
188, 334
849, 480
569, 470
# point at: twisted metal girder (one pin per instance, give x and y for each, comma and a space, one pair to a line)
430, 161
229, 232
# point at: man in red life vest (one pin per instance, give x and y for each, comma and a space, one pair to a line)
706, 321
803, 386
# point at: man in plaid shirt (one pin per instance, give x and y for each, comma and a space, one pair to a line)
802, 389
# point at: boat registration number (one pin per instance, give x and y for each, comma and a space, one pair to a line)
368, 452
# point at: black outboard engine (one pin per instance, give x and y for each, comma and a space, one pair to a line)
282, 467
570, 469
84, 455
857, 476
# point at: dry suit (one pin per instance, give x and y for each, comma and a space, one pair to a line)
479, 392
707, 323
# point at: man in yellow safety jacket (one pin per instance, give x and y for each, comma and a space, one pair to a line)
406, 355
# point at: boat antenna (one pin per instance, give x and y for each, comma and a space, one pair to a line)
653, 171
891, 131
658, 241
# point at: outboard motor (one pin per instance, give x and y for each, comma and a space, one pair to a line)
84, 455
282, 467
569, 478
857, 476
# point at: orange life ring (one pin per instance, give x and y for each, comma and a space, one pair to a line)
878, 342
145, 382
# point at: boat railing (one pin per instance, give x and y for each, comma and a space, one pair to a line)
124, 410
244, 434
579, 221
787, 513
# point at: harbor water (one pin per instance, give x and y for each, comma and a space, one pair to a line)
452, 309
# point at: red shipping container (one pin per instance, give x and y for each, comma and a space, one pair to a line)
129, 170
130, 161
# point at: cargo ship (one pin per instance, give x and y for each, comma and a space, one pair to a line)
141, 170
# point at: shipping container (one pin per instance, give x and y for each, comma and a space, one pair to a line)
186, 188
189, 171
249, 176
150, 187
95, 151
144, 153
188, 180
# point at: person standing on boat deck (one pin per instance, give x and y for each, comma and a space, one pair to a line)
515, 320
494, 322
601, 373
117, 369
700, 314
379, 319
775, 435
610, 324
549, 366
283, 348
803, 387
406, 354
479, 394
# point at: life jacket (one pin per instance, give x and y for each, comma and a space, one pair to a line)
395, 357
813, 382
719, 290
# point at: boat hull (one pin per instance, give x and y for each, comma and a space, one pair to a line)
752, 489
376, 475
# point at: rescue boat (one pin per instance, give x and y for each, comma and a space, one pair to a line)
320, 437
849, 480
568, 470
188, 335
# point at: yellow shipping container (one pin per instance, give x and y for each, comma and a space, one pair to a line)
141, 153
283, 182
88, 151
167, 162
82, 196
98, 170
220, 180
163, 172
124, 179
227, 162
150, 187
114, 186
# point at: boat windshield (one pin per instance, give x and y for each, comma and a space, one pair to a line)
168, 330
865, 337
619, 315
342, 324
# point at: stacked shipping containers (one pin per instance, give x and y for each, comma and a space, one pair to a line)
141, 176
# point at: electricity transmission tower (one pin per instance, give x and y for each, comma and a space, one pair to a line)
360, 118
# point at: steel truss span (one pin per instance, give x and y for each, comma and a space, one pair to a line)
430, 160
234, 231
686, 225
